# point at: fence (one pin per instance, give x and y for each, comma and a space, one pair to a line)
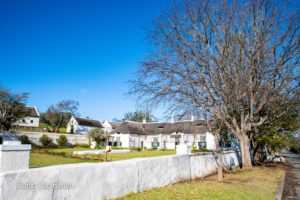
35, 136
91, 181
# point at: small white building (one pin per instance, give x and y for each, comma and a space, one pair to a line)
32, 118
82, 125
162, 135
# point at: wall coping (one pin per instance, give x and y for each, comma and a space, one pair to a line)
22, 147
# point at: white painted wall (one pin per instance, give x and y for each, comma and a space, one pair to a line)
14, 156
107, 126
168, 142
72, 138
28, 122
91, 181
210, 141
78, 129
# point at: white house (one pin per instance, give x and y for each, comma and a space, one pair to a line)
82, 125
162, 134
32, 118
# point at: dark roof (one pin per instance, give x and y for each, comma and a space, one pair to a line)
88, 122
188, 127
130, 127
31, 112
114, 125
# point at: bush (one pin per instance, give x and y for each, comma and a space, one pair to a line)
82, 145
136, 149
45, 140
62, 140
24, 139
98, 135
201, 150
63, 130
295, 145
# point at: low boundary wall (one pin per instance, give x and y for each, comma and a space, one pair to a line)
35, 136
108, 180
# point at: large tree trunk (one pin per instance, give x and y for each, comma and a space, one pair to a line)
245, 151
219, 158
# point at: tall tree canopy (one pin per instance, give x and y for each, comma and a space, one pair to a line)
231, 60
12, 108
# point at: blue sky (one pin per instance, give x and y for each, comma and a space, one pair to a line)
79, 50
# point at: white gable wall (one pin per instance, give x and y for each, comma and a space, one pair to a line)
107, 126
78, 129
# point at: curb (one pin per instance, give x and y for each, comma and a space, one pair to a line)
281, 186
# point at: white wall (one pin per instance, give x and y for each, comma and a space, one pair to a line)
91, 181
72, 138
107, 126
78, 129
188, 139
28, 122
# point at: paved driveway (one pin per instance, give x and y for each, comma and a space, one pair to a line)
292, 179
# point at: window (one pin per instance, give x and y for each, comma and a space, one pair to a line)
23, 120
31, 121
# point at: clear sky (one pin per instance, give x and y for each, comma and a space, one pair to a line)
69, 49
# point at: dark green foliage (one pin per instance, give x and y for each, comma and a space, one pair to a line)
137, 149
62, 140
294, 145
24, 139
82, 145
45, 140
12, 108
139, 116
200, 150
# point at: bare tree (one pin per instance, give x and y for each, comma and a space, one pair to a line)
12, 108
229, 60
58, 115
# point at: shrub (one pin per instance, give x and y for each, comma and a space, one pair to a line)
24, 139
62, 130
201, 150
45, 140
62, 140
98, 135
82, 145
137, 149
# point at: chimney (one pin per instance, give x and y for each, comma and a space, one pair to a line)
144, 120
192, 118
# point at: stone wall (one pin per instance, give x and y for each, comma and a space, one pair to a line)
91, 181
72, 138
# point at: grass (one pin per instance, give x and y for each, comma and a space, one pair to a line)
258, 183
42, 160
57, 156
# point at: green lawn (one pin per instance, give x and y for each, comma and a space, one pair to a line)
40, 158
258, 183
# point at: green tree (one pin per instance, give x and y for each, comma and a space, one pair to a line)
12, 108
139, 116
98, 135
